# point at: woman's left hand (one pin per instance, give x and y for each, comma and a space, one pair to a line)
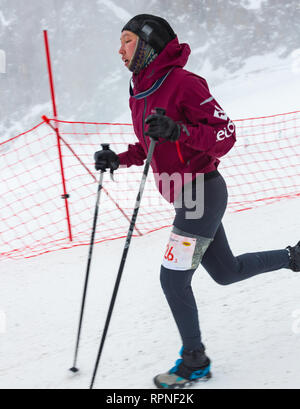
161, 126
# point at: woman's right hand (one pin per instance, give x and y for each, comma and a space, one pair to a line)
106, 159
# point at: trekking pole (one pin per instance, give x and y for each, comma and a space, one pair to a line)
159, 111
74, 368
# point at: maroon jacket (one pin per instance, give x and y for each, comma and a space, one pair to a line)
207, 133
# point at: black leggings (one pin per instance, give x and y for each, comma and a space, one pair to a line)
218, 261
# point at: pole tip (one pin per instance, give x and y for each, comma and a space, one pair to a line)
74, 369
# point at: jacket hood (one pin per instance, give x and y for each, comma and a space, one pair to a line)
173, 55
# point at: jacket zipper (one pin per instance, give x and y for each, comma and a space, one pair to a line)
144, 114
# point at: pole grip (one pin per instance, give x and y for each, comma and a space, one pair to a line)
160, 111
105, 146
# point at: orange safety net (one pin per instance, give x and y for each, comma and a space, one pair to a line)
262, 168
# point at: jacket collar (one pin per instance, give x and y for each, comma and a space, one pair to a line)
152, 89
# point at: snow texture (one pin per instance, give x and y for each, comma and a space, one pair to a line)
251, 329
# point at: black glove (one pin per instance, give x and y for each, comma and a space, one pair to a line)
161, 126
106, 159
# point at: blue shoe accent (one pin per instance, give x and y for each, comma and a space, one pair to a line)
177, 364
164, 386
200, 374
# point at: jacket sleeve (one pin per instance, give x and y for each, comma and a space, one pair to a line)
207, 127
135, 155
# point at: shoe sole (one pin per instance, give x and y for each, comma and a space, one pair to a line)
182, 385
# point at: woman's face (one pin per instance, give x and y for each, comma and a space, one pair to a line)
128, 43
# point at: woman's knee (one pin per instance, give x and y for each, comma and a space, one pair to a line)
222, 273
168, 281
222, 280
222, 276
175, 283
177, 289
164, 281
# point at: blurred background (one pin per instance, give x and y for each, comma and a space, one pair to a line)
239, 46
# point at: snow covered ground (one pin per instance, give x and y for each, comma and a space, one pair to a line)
251, 329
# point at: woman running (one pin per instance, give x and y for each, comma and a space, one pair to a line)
193, 134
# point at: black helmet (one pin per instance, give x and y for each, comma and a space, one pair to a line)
154, 30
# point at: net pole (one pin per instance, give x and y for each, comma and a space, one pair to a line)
65, 195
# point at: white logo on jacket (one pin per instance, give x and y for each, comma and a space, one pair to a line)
219, 113
226, 132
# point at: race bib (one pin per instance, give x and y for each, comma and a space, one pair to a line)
179, 253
